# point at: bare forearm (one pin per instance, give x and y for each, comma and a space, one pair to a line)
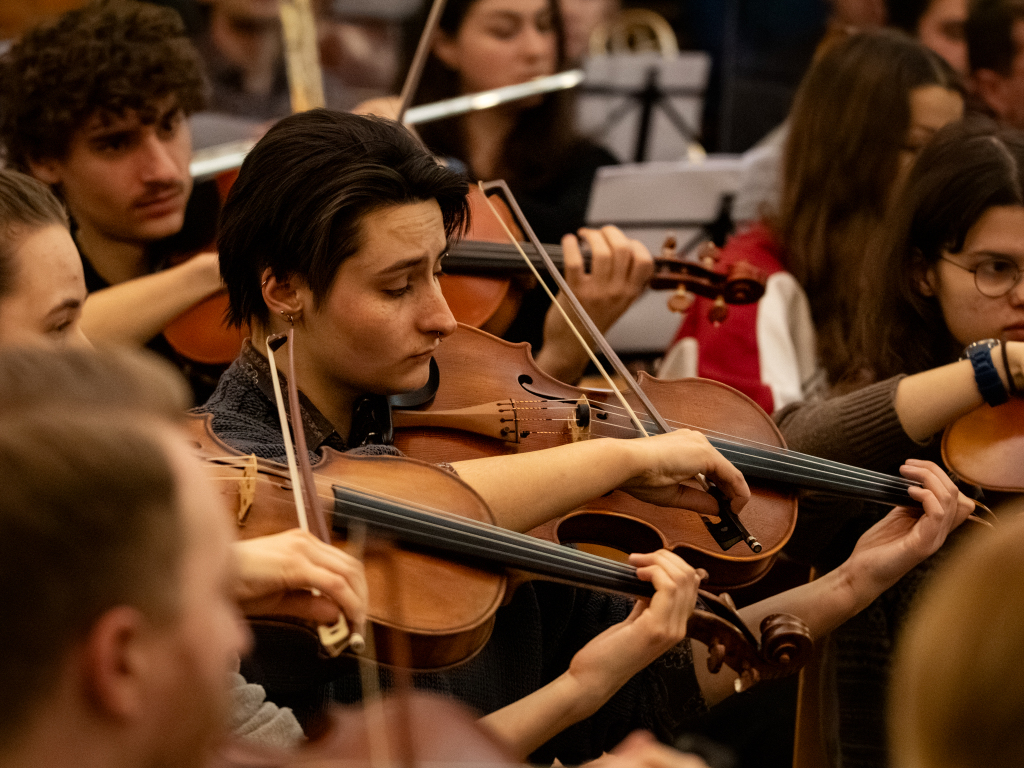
926, 402
135, 311
535, 719
527, 489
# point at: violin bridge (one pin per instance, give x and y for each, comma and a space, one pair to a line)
579, 420
246, 488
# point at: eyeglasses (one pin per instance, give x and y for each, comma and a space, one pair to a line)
994, 277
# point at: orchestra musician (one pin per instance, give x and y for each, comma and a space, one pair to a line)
484, 44
121, 624
41, 294
941, 334
358, 288
95, 104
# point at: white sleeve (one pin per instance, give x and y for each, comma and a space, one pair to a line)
786, 340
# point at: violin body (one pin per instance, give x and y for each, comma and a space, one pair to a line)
493, 399
434, 612
986, 447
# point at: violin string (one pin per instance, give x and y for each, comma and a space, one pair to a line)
551, 549
518, 544
790, 458
496, 540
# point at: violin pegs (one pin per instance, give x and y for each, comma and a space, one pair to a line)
708, 255
668, 248
681, 300
718, 313
748, 678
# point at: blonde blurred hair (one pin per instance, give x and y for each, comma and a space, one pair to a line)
957, 696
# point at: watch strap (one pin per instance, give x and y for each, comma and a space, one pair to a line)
986, 376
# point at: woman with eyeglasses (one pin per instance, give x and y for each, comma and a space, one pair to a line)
940, 333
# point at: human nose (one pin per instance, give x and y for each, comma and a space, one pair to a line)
1016, 293
438, 318
536, 43
158, 161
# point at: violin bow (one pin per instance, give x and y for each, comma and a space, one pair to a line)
500, 187
419, 59
337, 637
725, 513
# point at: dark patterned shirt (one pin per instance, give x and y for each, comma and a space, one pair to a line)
535, 636
245, 415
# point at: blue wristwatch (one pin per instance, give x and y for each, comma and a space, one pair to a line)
991, 387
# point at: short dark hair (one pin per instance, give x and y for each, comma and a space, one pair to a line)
89, 517
109, 57
25, 204
298, 202
967, 168
989, 33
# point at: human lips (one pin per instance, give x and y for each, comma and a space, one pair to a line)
161, 203
1014, 332
425, 354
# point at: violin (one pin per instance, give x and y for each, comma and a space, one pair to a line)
433, 596
742, 283
986, 447
485, 398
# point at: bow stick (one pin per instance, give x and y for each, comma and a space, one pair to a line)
337, 637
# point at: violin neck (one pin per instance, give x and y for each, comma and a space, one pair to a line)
476, 257
483, 544
805, 471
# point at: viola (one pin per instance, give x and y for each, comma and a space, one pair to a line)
490, 398
433, 597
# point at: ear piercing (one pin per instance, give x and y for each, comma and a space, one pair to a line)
288, 317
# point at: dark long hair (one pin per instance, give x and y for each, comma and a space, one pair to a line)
539, 143
848, 124
968, 168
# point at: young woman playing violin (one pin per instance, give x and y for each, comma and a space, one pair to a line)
336, 229
941, 334
485, 44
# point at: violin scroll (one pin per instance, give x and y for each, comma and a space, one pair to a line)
743, 283
785, 646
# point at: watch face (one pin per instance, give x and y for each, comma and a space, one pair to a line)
982, 344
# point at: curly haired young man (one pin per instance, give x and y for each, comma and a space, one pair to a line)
95, 104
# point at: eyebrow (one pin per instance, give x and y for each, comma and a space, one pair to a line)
64, 305
124, 124
415, 261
